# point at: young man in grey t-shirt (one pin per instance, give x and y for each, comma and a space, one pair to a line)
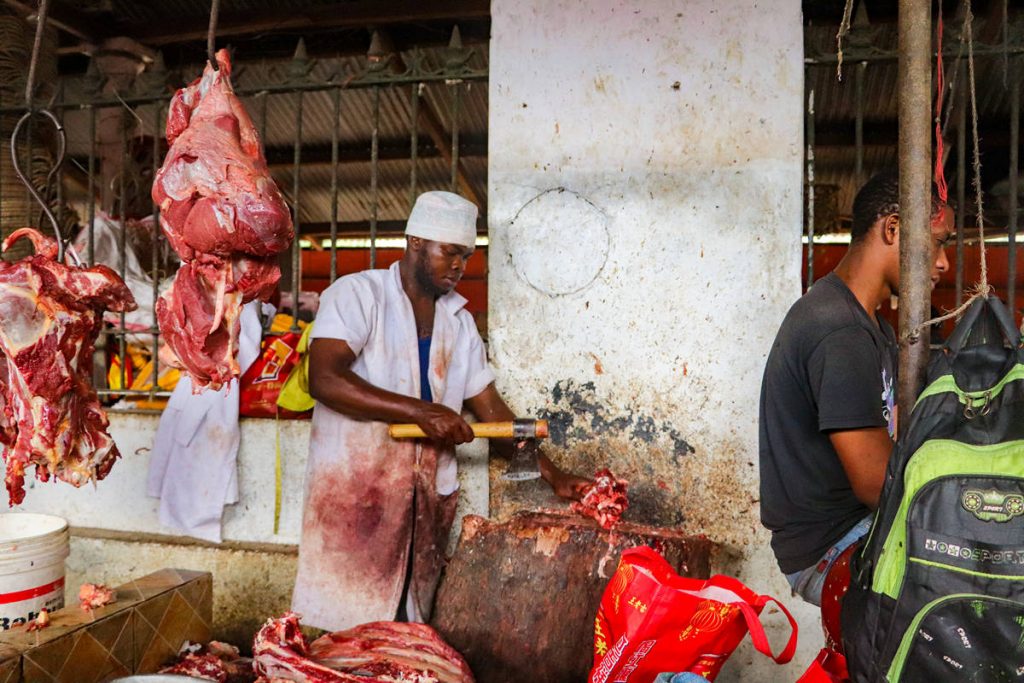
827, 415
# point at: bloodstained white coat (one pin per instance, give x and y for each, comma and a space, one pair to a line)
357, 525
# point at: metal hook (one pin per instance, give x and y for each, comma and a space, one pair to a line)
211, 34
62, 247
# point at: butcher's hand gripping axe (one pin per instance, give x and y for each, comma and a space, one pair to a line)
524, 433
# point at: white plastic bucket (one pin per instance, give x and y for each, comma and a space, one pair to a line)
32, 553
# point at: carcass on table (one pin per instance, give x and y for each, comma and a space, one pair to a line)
225, 217
371, 653
50, 315
215, 661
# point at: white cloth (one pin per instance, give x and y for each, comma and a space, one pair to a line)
443, 217
106, 237
193, 467
357, 528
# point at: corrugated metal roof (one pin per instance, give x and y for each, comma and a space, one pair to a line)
835, 103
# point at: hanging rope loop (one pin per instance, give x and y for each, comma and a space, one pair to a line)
982, 289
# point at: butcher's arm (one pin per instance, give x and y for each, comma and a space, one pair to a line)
864, 454
488, 406
332, 382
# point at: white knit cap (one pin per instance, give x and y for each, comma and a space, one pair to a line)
443, 217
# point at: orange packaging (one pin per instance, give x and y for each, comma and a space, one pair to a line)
261, 384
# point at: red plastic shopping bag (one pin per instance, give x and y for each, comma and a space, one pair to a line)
652, 620
828, 667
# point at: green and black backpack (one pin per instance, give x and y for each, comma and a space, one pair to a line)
937, 590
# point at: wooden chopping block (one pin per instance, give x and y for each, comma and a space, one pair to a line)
518, 598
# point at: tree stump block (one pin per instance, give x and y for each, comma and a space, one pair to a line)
519, 598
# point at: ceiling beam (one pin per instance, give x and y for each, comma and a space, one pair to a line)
359, 153
319, 154
354, 14
63, 18
886, 134
322, 229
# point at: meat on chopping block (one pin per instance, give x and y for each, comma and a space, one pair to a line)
604, 500
518, 598
371, 653
50, 316
225, 217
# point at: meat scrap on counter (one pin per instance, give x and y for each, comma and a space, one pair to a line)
50, 416
225, 217
94, 595
604, 500
372, 653
40, 622
215, 661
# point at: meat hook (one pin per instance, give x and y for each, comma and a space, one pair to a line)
62, 246
211, 34
30, 83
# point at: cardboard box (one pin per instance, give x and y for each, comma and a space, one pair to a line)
140, 632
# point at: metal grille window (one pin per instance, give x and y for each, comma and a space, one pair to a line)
851, 131
350, 142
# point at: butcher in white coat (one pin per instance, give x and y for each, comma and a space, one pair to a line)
391, 346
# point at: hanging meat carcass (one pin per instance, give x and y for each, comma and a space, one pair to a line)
225, 217
371, 653
50, 315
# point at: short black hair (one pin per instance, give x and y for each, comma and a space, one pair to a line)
880, 197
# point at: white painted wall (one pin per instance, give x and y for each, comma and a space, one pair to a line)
120, 503
645, 219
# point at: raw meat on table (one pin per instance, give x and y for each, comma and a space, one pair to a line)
94, 595
225, 217
605, 500
377, 652
214, 661
50, 315
206, 667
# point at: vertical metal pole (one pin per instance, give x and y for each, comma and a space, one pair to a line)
264, 96
414, 143
296, 187
374, 157
859, 75
334, 184
29, 167
91, 199
122, 248
961, 183
456, 97
158, 118
810, 188
1011, 254
915, 154
59, 190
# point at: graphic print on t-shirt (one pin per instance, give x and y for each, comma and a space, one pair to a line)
889, 401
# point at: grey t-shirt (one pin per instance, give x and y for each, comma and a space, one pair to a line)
831, 368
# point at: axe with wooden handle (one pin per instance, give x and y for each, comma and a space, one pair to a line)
523, 464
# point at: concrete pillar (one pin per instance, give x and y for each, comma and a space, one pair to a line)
645, 223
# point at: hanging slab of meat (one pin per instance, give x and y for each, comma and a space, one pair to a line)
371, 653
605, 500
50, 315
227, 220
